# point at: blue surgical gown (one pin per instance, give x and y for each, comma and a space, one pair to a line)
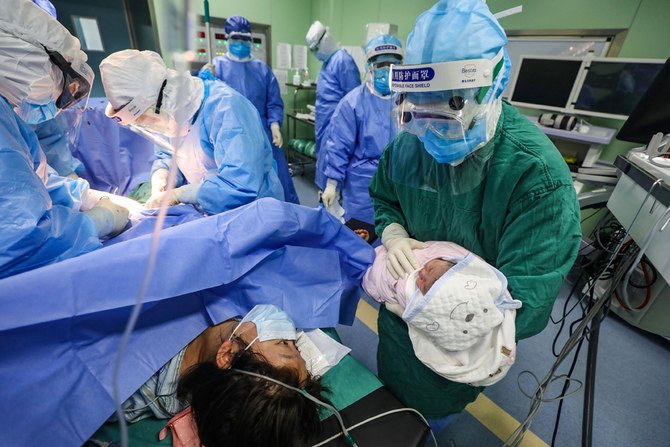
239, 157
360, 129
255, 80
53, 136
339, 75
37, 226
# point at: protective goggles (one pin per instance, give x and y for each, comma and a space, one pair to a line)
129, 113
448, 114
240, 36
76, 83
442, 76
315, 45
384, 60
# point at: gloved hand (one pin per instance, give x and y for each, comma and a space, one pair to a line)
110, 219
159, 181
330, 194
210, 67
183, 194
276, 135
399, 259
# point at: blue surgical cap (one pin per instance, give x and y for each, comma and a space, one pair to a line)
237, 24
454, 30
47, 6
382, 39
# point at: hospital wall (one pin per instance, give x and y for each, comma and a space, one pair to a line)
288, 20
648, 33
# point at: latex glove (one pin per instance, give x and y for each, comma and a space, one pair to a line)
400, 259
72, 176
330, 194
276, 135
183, 194
210, 67
159, 181
110, 219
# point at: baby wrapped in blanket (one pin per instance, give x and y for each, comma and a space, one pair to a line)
459, 313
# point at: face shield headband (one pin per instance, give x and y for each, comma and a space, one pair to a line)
447, 98
129, 113
453, 75
314, 47
76, 84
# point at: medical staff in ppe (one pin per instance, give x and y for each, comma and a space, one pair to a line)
466, 167
54, 134
361, 128
42, 70
254, 79
223, 155
339, 75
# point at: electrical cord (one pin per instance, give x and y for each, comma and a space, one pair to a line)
151, 263
345, 429
398, 410
595, 309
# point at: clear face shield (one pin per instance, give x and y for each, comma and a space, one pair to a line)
452, 109
77, 79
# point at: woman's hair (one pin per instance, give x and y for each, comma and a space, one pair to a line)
232, 409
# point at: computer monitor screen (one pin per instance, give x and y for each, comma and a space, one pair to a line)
545, 83
612, 88
652, 113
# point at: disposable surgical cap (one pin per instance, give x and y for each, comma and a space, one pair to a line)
384, 44
238, 27
454, 30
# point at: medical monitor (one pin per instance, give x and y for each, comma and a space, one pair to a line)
652, 113
545, 82
612, 87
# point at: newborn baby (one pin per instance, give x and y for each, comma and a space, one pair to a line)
459, 313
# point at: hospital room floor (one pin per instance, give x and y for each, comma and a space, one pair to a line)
631, 393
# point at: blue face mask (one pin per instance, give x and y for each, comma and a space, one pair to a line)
37, 113
241, 49
381, 80
271, 322
449, 151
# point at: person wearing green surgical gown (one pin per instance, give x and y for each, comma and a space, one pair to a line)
510, 200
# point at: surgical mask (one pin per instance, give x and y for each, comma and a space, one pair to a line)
325, 47
161, 123
36, 113
241, 49
271, 322
381, 80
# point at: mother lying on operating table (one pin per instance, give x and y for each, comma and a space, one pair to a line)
228, 407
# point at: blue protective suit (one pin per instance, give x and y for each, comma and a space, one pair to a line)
38, 226
115, 159
57, 348
339, 75
226, 143
54, 139
360, 129
255, 80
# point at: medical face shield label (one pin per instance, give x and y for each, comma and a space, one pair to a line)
385, 49
455, 75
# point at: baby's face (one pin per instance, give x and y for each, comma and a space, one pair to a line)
431, 272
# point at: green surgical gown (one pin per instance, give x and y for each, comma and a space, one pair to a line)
522, 218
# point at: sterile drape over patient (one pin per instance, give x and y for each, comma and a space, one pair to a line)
62, 323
